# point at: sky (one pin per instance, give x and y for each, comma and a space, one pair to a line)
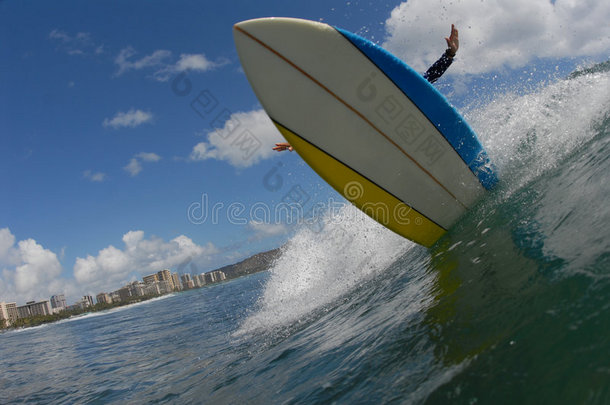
131, 141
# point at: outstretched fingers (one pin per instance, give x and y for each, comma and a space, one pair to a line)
453, 41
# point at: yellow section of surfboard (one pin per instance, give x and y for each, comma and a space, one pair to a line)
370, 198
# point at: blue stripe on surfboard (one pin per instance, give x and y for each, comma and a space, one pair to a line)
433, 105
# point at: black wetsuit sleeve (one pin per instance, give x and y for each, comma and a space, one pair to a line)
438, 68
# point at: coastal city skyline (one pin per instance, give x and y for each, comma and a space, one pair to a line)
155, 284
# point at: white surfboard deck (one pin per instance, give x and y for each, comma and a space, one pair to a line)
368, 124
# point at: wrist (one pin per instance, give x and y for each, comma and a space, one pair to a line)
450, 53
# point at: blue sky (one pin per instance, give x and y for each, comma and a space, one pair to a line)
107, 158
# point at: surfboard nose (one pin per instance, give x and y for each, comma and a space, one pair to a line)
266, 21
274, 27
257, 23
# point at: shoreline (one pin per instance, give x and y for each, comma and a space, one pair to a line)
254, 264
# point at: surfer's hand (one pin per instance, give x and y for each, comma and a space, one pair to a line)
453, 41
282, 146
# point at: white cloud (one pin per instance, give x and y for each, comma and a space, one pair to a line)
33, 272
125, 61
94, 176
79, 44
129, 119
195, 62
264, 230
245, 139
158, 62
113, 266
148, 157
496, 33
8, 254
134, 167
60, 36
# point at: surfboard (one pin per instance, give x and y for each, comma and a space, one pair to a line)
367, 123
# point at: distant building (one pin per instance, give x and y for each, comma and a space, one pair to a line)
125, 293
166, 275
3, 314
166, 286
153, 278
199, 280
8, 312
115, 296
177, 283
33, 308
152, 289
215, 277
89, 300
58, 303
85, 302
136, 288
186, 281
103, 298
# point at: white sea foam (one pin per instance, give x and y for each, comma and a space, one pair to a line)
526, 135
315, 268
557, 125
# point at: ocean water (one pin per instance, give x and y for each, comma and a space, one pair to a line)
511, 306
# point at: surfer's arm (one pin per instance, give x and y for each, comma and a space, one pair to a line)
440, 66
282, 146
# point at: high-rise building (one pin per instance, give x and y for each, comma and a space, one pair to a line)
153, 278
3, 314
215, 276
103, 298
125, 293
166, 275
33, 308
89, 300
58, 303
152, 289
187, 282
115, 296
177, 283
136, 288
199, 280
85, 302
8, 312
166, 286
